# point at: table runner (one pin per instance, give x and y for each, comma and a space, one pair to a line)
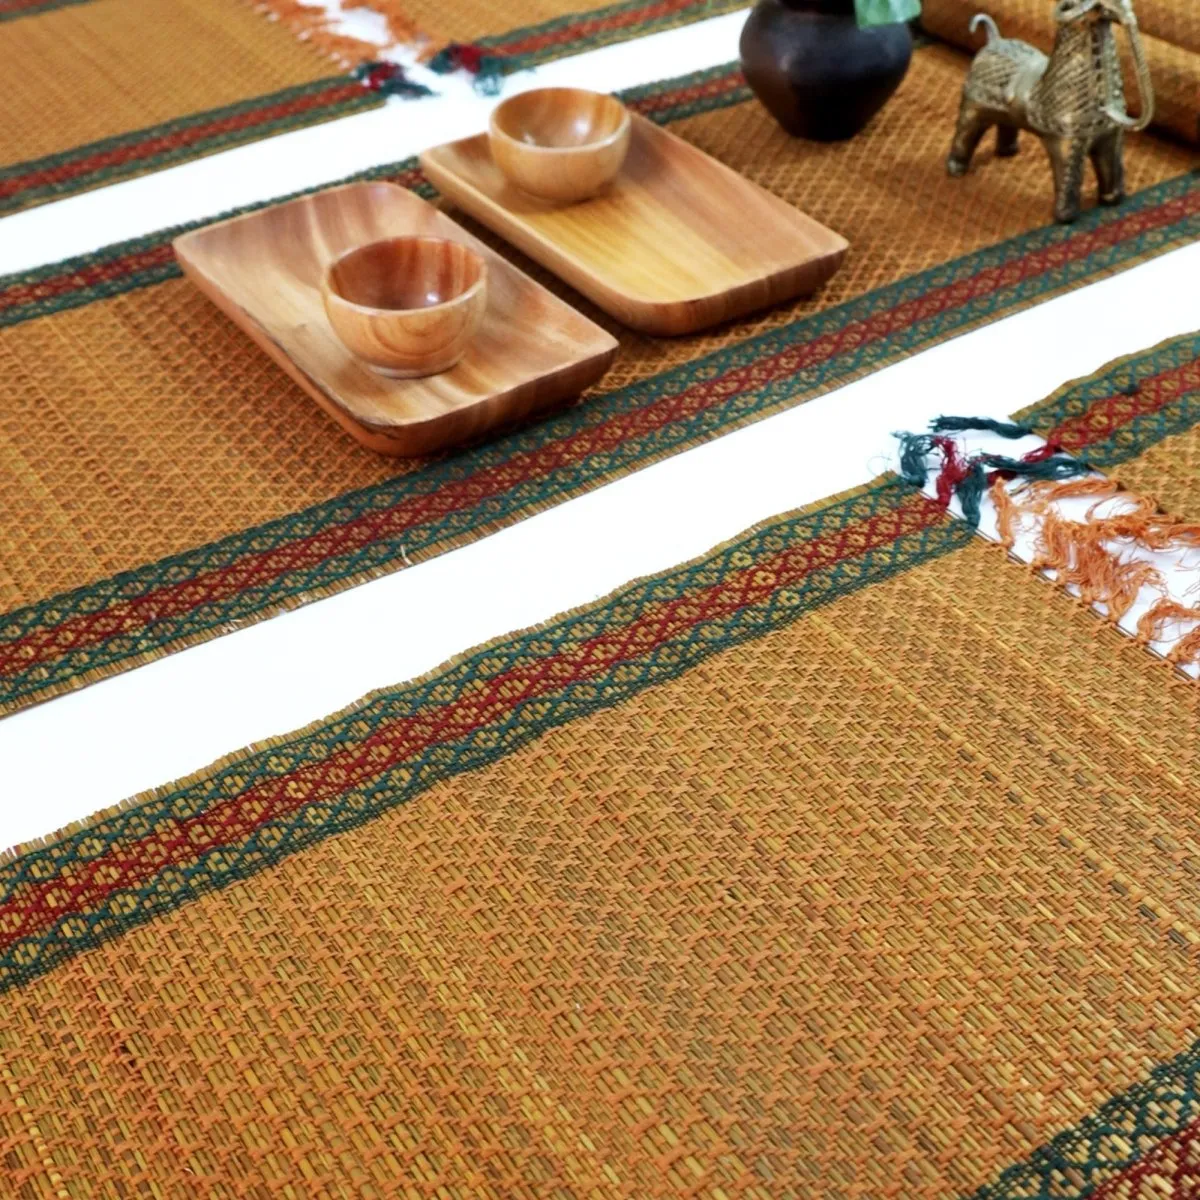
1170, 35
850, 860
164, 480
1135, 419
106, 89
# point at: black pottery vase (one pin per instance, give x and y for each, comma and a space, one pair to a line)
817, 73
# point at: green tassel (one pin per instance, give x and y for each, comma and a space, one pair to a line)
914, 447
962, 424
970, 493
488, 69
490, 79
1059, 466
389, 79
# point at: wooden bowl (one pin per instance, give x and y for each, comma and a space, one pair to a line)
407, 306
560, 143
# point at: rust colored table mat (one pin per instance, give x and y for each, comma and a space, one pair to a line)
1170, 35
107, 89
850, 861
1136, 420
163, 481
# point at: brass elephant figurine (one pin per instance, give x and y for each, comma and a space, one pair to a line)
1074, 100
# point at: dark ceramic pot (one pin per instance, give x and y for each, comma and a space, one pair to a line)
817, 73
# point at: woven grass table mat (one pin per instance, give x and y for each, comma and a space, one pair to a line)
1136, 420
163, 479
107, 89
849, 861
1170, 35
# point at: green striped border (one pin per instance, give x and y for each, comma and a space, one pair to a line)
592, 29
1122, 376
11, 11
1116, 1137
359, 99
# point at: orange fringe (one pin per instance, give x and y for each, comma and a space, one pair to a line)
1152, 626
1079, 555
1143, 522
312, 25
1078, 552
1006, 514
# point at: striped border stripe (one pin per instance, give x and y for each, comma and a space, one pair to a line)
1128, 406
520, 49
10, 10
1145, 1130
107, 161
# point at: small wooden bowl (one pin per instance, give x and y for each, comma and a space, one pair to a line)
560, 143
407, 306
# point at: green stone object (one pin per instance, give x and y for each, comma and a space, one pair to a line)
885, 12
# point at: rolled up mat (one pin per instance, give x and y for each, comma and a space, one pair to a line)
1174, 69
1173, 21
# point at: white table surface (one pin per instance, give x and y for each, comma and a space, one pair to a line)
174, 716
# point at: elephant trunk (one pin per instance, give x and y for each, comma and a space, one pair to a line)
1145, 86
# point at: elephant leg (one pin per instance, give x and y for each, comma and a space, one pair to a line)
1066, 158
1006, 140
972, 125
1108, 159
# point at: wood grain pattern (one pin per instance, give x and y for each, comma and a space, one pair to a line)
264, 270
407, 306
679, 242
563, 144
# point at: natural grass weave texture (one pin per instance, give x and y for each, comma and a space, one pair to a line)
1136, 420
101, 90
851, 861
1170, 37
145, 425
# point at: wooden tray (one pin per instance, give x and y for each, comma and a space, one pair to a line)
679, 242
264, 271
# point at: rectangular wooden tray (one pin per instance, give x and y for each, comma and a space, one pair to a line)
677, 243
264, 271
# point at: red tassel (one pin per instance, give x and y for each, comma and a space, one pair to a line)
954, 469
389, 79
